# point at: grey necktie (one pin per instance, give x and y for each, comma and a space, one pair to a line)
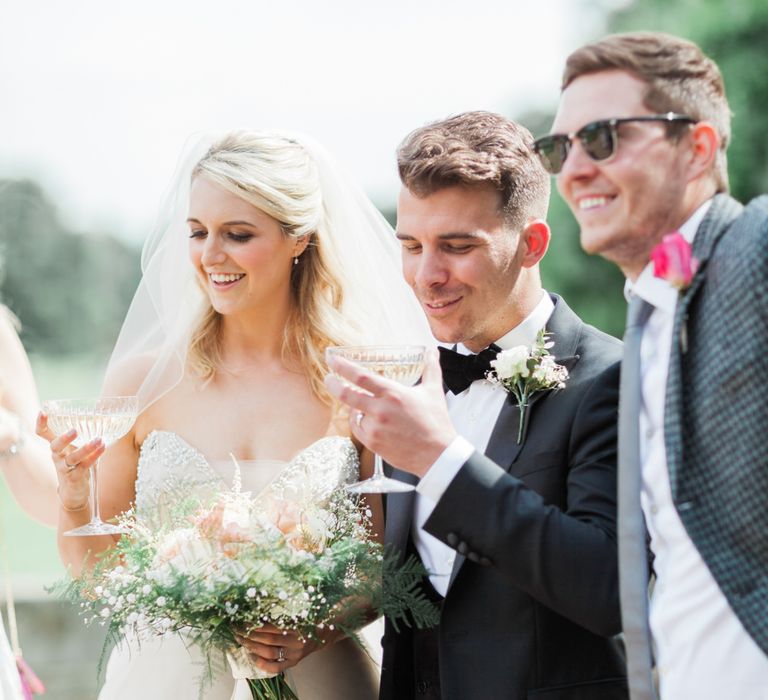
633, 556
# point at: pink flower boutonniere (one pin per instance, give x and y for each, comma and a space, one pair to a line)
673, 261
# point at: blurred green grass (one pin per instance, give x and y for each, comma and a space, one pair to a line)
32, 552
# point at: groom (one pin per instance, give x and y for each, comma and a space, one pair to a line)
639, 149
518, 534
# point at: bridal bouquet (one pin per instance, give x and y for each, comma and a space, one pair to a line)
289, 559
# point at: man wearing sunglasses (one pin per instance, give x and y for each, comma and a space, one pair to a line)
639, 150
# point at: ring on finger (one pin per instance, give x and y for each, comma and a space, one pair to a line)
280, 655
359, 418
70, 467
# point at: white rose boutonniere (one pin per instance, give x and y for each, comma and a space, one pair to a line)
524, 371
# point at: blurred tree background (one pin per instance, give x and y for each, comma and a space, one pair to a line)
70, 289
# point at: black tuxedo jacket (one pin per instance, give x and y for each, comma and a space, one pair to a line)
533, 600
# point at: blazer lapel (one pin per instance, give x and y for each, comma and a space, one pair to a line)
503, 448
723, 211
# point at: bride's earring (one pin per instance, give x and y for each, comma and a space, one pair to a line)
296, 260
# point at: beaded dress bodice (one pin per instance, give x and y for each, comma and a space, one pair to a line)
170, 468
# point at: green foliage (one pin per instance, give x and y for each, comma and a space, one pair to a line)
271, 689
70, 290
400, 597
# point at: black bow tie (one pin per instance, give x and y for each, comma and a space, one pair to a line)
459, 371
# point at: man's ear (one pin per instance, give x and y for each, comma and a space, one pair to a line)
705, 143
535, 239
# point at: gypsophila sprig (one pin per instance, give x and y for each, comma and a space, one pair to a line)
239, 563
524, 371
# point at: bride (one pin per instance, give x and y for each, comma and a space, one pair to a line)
225, 351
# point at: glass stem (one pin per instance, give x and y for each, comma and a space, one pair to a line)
96, 516
378, 467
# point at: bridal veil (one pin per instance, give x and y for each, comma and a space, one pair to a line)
378, 305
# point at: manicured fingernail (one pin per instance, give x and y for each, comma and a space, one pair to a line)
71, 433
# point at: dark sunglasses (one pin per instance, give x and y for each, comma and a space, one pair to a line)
599, 139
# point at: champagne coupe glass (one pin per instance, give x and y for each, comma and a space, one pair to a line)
404, 364
109, 418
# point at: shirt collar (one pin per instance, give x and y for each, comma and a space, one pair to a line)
656, 291
525, 332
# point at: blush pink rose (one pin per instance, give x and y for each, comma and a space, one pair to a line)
673, 262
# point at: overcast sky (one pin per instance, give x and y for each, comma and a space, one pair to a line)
98, 98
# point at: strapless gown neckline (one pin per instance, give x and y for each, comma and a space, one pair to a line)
170, 465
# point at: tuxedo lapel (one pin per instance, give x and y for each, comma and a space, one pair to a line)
503, 448
721, 214
399, 515
564, 328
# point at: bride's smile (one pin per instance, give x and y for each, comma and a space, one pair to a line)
224, 280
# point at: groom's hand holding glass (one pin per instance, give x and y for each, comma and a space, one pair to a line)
408, 426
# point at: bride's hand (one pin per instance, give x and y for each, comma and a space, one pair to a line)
72, 463
274, 650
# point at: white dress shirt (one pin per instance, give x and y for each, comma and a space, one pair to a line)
474, 413
702, 650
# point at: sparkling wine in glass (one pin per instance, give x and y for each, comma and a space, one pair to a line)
108, 418
402, 363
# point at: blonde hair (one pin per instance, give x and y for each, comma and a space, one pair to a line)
277, 175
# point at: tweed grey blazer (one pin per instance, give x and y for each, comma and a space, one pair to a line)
716, 413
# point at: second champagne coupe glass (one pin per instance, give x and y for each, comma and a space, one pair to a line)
108, 418
404, 364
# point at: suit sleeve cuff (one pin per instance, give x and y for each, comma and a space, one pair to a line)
435, 482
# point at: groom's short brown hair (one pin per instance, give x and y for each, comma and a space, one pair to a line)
477, 148
679, 76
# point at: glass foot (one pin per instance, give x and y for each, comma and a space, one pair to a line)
380, 484
96, 528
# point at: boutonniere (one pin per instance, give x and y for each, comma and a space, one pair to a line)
524, 371
673, 261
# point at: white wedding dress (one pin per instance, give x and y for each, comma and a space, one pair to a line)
168, 669
10, 683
